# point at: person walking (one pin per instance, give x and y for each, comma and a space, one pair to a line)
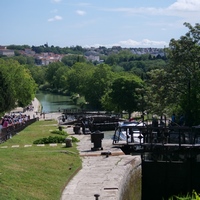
173, 119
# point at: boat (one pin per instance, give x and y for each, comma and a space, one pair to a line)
128, 131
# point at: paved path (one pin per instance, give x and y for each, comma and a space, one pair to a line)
100, 174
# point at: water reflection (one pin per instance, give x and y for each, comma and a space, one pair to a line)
53, 102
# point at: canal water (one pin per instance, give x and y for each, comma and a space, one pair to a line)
53, 102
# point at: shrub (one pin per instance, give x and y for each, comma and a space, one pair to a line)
56, 139
50, 139
74, 139
60, 132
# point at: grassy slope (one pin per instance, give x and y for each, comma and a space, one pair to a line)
35, 172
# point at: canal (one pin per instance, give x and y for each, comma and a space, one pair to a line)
53, 102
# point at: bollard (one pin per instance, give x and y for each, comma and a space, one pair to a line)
96, 196
68, 142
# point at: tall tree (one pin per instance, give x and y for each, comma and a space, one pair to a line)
176, 88
125, 94
158, 95
51, 71
184, 72
98, 84
17, 85
78, 77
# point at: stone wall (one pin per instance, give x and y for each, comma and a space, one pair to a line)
131, 187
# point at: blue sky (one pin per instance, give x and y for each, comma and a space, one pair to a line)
94, 23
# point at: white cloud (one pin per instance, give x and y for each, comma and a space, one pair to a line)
143, 43
132, 43
181, 10
138, 10
56, 18
80, 12
180, 5
185, 5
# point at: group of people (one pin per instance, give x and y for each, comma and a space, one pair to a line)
13, 119
180, 122
86, 124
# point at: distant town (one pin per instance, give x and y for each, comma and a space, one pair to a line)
45, 55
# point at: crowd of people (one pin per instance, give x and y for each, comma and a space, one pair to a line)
15, 118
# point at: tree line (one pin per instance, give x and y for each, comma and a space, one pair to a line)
125, 82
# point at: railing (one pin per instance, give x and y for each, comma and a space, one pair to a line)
148, 135
10, 131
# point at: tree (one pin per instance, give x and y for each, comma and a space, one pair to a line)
17, 85
78, 77
184, 72
158, 95
38, 73
98, 84
70, 60
60, 78
7, 99
176, 88
124, 94
51, 71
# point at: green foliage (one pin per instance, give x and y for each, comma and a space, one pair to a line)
58, 50
78, 77
17, 85
74, 139
98, 84
158, 95
51, 71
184, 73
55, 139
124, 94
60, 132
38, 73
49, 140
194, 196
70, 60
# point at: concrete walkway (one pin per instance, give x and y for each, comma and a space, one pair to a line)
100, 174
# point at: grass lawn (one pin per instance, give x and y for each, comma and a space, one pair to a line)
30, 173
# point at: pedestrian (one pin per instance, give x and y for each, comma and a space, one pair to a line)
173, 119
83, 125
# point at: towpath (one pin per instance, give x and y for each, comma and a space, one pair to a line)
105, 175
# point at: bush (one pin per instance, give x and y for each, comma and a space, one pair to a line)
74, 139
56, 139
60, 132
50, 140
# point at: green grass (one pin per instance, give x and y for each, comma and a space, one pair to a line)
30, 173
193, 196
